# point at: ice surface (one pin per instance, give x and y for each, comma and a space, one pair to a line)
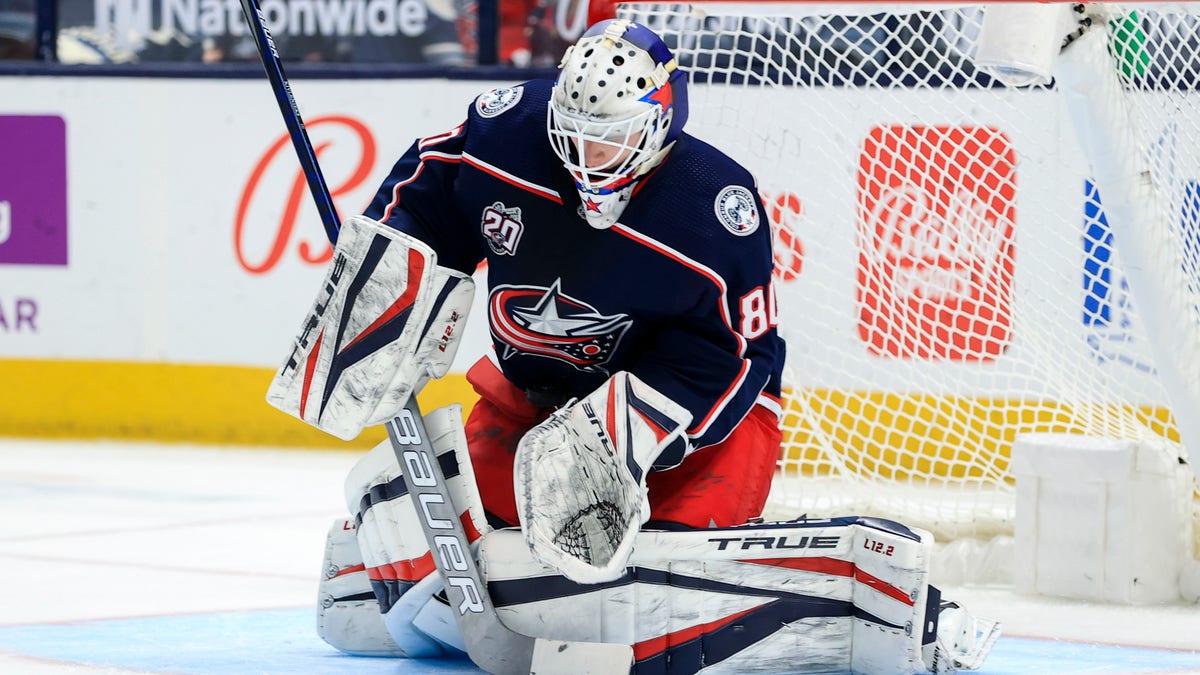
138, 558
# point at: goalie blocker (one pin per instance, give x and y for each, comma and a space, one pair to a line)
842, 594
386, 320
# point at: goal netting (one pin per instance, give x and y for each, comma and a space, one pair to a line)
952, 267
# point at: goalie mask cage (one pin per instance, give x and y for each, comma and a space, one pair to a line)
952, 269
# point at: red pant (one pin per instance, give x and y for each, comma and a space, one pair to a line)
721, 485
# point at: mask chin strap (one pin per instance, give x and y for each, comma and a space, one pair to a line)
602, 211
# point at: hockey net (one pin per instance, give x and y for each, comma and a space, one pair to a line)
947, 276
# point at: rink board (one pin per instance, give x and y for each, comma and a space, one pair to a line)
180, 226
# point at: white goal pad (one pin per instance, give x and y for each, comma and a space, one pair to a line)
398, 565
348, 616
819, 596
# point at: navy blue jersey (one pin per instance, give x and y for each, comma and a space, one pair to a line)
678, 292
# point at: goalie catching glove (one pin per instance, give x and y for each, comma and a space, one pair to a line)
580, 476
386, 321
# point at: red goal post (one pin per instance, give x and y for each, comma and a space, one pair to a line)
959, 261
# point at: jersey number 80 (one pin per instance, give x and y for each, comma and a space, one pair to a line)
759, 312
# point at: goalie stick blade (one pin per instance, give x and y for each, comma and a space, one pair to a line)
491, 645
555, 657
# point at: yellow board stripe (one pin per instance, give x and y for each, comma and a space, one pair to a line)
909, 435
912, 437
169, 402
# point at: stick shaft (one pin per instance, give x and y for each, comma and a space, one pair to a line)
273, 64
490, 644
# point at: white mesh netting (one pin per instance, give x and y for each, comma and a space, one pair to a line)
946, 275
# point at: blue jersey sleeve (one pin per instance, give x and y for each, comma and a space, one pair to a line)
417, 198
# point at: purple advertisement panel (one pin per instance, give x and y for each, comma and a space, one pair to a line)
33, 190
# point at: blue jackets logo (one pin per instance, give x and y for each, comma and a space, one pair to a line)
544, 322
496, 101
737, 211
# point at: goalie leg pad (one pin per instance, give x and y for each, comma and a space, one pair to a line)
387, 319
395, 554
347, 613
943, 636
817, 596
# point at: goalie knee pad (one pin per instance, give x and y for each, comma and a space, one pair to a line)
831, 595
397, 565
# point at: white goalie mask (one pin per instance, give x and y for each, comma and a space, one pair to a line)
618, 105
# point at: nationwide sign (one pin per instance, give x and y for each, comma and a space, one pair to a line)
213, 18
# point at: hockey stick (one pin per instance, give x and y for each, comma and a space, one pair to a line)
490, 644
273, 64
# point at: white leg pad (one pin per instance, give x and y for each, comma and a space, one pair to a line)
891, 572
816, 596
347, 613
398, 565
436, 620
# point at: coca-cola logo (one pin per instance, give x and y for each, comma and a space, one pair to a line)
256, 249
936, 215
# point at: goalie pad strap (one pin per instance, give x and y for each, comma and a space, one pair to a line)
387, 319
